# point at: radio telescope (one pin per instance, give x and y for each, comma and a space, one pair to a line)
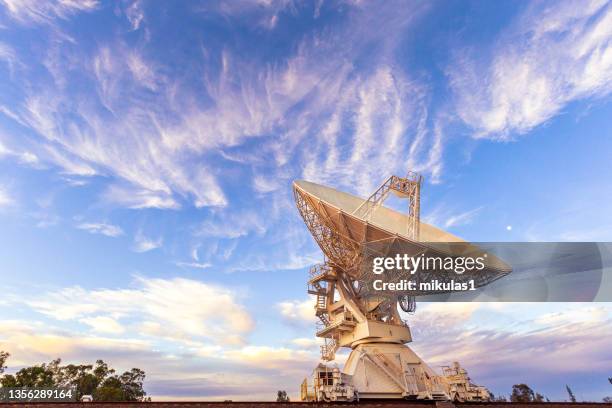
350, 231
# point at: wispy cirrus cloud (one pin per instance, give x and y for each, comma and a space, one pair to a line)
232, 224
102, 228
554, 54
78, 137
130, 107
447, 217
381, 113
143, 243
135, 198
195, 265
5, 198
135, 14
9, 56
334, 118
32, 11
461, 219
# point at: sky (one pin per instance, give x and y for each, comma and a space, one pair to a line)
147, 151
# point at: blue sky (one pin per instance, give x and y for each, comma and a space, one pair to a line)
147, 151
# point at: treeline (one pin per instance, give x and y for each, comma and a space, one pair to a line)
524, 393
99, 380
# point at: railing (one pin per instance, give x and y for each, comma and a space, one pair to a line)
317, 288
328, 350
345, 318
318, 270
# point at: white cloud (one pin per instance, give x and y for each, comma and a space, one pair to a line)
497, 342
4, 151
232, 224
199, 371
298, 311
264, 185
287, 359
101, 228
36, 342
103, 324
379, 113
5, 199
446, 217
145, 244
461, 219
45, 219
23, 156
228, 251
586, 314
145, 129
554, 54
8, 54
135, 14
80, 138
142, 71
26, 11
308, 342
69, 163
290, 258
196, 265
137, 198
194, 253
182, 308
28, 158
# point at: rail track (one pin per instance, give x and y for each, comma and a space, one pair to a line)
267, 404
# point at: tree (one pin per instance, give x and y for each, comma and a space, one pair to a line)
126, 387
31, 377
109, 390
607, 399
102, 370
572, 397
99, 380
281, 396
131, 384
3, 357
524, 393
78, 376
521, 393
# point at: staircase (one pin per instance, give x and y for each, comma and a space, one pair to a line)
320, 272
328, 350
318, 284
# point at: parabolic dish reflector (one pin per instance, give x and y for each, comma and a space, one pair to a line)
351, 242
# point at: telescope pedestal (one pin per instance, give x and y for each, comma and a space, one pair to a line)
392, 370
